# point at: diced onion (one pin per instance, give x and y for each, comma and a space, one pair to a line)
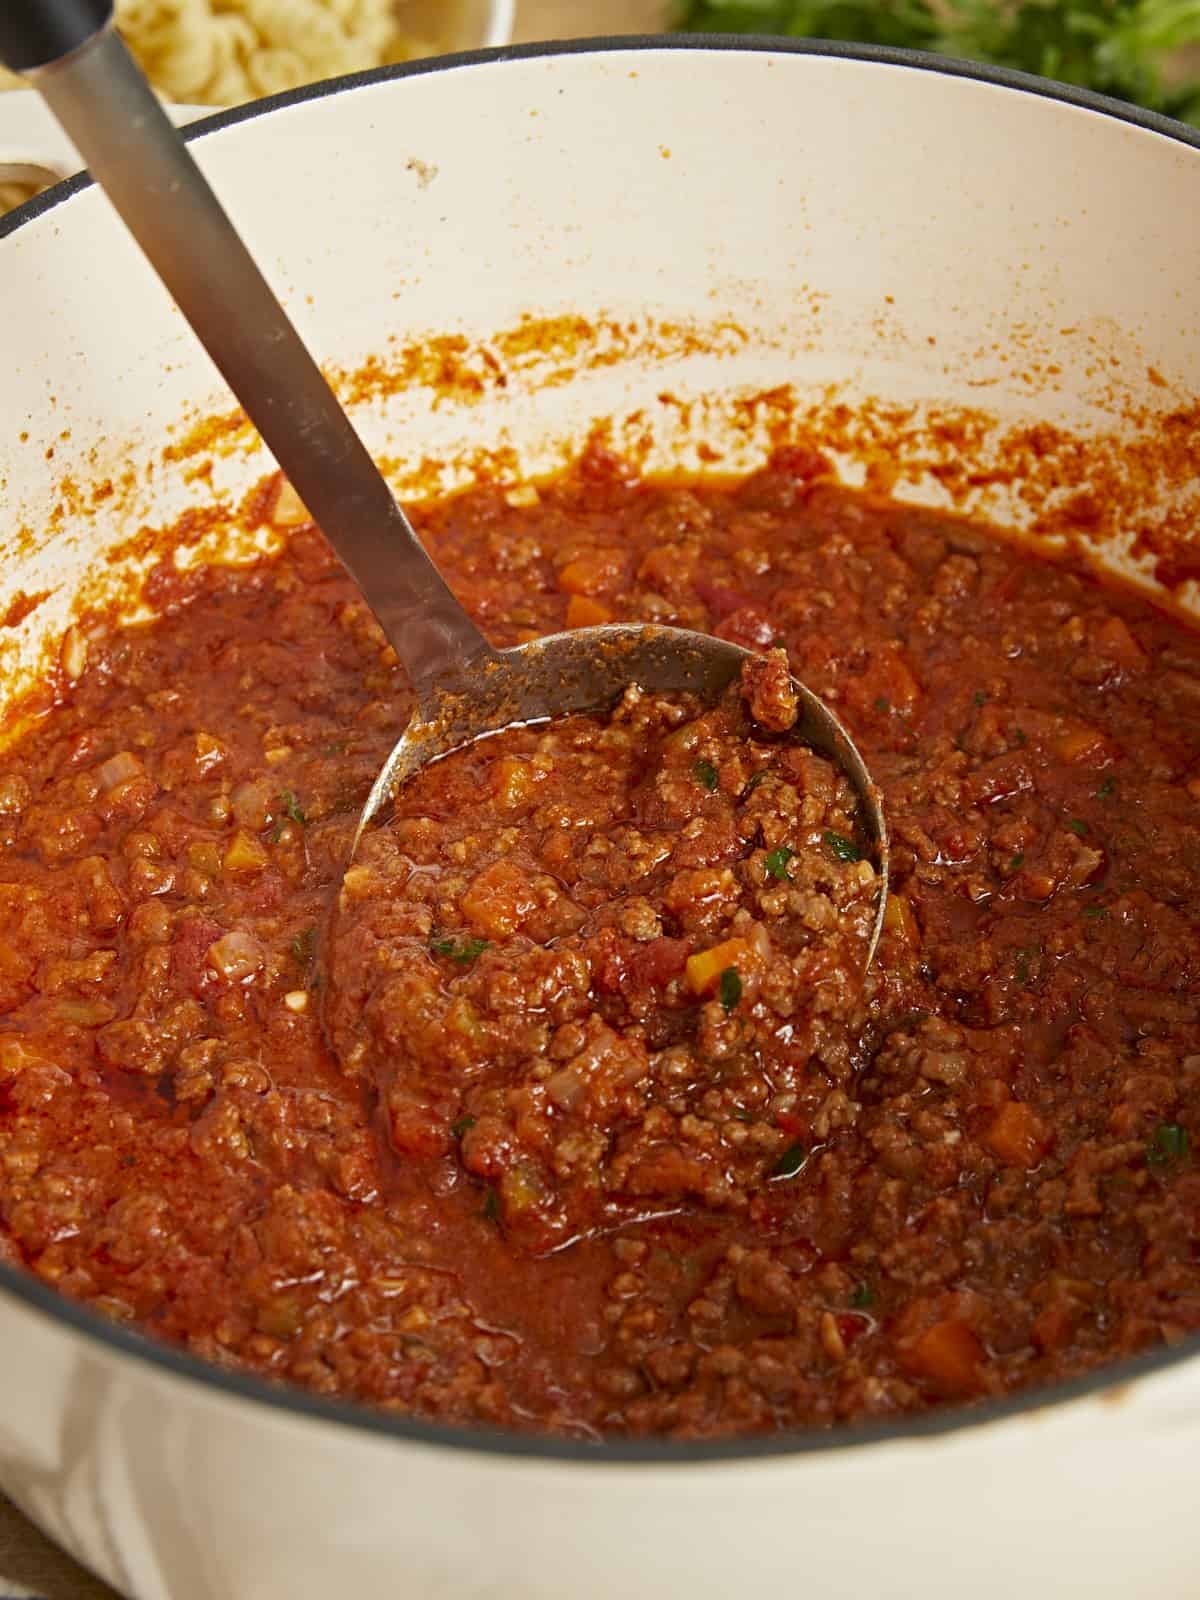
251, 805
236, 955
290, 511
74, 653
118, 769
566, 1089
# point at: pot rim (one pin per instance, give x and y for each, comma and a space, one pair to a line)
21, 1285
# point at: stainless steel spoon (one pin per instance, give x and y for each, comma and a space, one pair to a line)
464, 688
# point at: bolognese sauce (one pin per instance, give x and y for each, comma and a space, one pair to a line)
584, 1124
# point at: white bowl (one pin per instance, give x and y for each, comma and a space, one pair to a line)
731, 216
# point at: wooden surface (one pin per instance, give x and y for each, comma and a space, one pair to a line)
566, 19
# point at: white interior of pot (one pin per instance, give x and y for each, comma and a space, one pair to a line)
743, 219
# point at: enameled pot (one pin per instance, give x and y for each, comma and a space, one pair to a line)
704, 243
35, 151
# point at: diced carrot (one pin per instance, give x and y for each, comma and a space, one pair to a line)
898, 919
949, 1355
499, 900
514, 780
1017, 1135
585, 613
704, 970
245, 853
1078, 743
590, 573
1114, 639
669, 567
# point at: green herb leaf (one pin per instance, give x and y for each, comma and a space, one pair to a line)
777, 860
882, 703
1108, 787
979, 697
1124, 48
1095, 912
705, 775
1019, 734
760, 776
1017, 862
287, 809
1078, 826
1168, 1143
304, 947
463, 1125
844, 849
464, 951
861, 1296
791, 1162
779, 642
491, 1205
729, 986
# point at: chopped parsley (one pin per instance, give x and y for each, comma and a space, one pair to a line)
979, 697
861, 1296
729, 986
463, 1125
1095, 911
791, 1162
1019, 734
778, 642
1108, 787
759, 777
304, 947
491, 1205
844, 849
1077, 825
882, 703
777, 860
1169, 1142
288, 810
705, 775
464, 951
1017, 862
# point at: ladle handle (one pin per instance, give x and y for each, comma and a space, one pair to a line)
106, 106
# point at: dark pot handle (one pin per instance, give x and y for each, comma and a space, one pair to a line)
34, 33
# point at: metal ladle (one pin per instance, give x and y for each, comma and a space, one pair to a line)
464, 688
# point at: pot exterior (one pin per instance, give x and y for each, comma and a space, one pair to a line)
851, 227
171, 1490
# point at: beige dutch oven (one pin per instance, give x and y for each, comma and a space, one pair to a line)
726, 217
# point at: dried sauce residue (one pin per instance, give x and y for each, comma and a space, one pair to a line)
1124, 498
20, 606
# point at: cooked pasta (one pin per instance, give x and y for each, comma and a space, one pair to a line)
221, 52
14, 194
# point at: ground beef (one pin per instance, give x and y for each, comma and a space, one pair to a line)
984, 1183
599, 955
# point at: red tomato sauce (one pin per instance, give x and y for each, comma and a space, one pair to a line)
554, 1182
